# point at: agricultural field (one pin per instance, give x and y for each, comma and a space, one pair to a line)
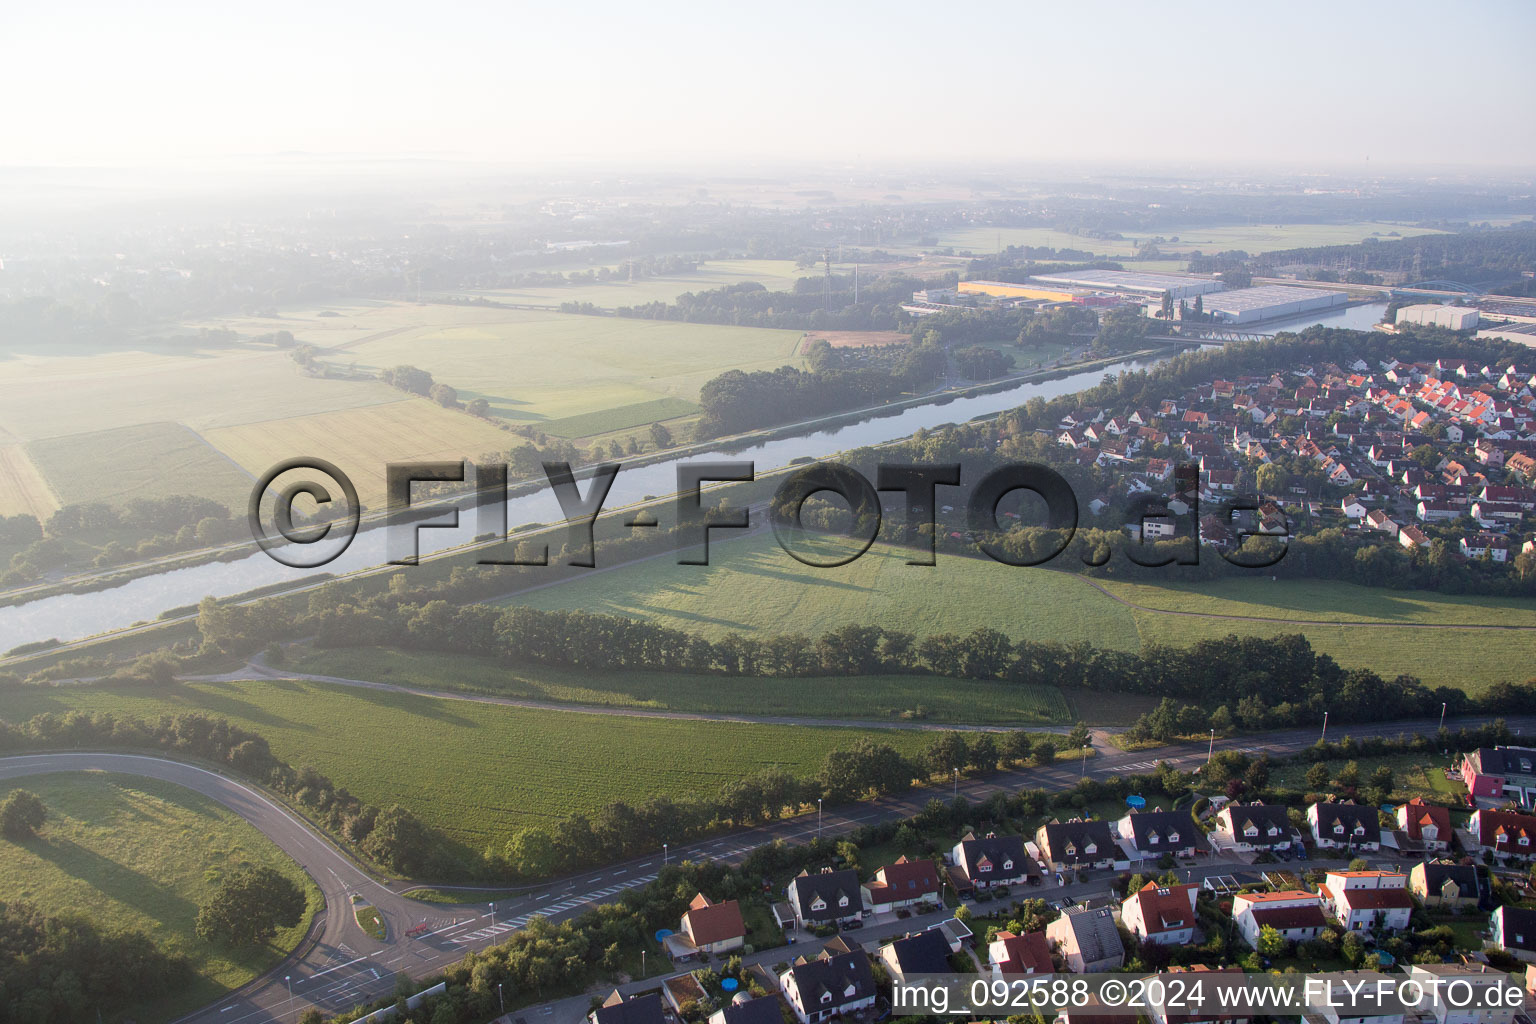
1252, 239
478, 771
754, 586
362, 441
23, 491
745, 591
149, 460
143, 854
889, 697
534, 366
606, 421
775, 275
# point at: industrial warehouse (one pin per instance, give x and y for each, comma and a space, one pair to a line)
1268, 302
1152, 285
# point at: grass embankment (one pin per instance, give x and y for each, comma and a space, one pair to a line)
139, 854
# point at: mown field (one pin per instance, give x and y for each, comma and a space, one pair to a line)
140, 854
887, 697
534, 366
755, 587
479, 771
361, 442
775, 275
23, 491
150, 460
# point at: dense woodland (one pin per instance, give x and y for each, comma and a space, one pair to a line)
1471, 257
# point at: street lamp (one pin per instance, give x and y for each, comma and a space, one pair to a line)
493, 915
663, 854
1442, 714
956, 791
1083, 773
500, 999
1211, 750
289, 979
1324, 736
818, 817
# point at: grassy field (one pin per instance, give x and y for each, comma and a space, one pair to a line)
1326, 599
754, 586
534, 366
132, 853
478, 771
1252, 239
864, 697
775, 275
620, 418
361, 442
23, 491
144, 461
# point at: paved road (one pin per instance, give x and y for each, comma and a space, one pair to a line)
346, 967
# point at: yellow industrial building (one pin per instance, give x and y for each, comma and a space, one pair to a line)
1007, 290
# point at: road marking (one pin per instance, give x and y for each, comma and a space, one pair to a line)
328, 970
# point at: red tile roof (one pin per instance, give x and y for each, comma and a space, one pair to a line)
714, 922
1029, 953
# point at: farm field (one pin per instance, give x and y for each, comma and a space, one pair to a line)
362, 441
863, 697
535, 366
145, 461
142, 854
747, 590
590, 424
754, 586
1253, 239
775, 275
1325, 599
478, 771
23, 491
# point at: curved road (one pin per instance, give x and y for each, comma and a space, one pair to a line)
345, 967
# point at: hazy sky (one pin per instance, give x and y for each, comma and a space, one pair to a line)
1338, 82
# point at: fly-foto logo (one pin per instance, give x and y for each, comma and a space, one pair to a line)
336, 513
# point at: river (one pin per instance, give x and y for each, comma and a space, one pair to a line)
73, 616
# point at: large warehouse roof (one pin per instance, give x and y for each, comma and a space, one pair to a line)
1127, 280
1244, 299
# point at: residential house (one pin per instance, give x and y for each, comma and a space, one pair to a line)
827, 898
1490, 545
682, 992
640, 1009
988, 862
1514, 931
1088, 940
1464, 993
906, 883
1070, 845
1295, 914
1379, 521
1346, 825
1412, 537
1009, 954
1501, 773
1446, 886
1367, 900
832, 984
745, 1010
1210, 1012
714, 928
1161, 913
927, 952
1427, 826
1508, 835
1255, 826
1353, 507
1157, 832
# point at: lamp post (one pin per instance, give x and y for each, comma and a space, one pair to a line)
289, 979
1083, 773
493, 915
1442, 715
956, 790
663, 854
1211, 750
1324, 736
501, 1000
818, 817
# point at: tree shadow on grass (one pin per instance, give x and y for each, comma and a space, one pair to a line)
153, 899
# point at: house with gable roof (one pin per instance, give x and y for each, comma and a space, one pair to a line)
826, 898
